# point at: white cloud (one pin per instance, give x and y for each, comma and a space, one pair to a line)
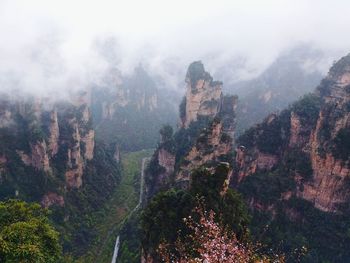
49, 43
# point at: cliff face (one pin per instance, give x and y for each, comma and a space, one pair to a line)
315, 129
54, 133
203, 95
330, 161
38, 156
79, 142
205, 137
51, 138
212, 146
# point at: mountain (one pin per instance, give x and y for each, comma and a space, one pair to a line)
293, 170
48, 154
205, 135
129, 111
65, 153
293, 74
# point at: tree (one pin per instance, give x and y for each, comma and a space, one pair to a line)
26, 234
210, 242
166, 132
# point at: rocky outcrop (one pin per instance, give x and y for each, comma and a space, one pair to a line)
211, 145
89, 140
50, 199
54, 134
248, 164
319, 128
166, 160
295, 129
38, 157
75, 162
207, 142
203, 95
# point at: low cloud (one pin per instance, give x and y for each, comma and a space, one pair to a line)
52, 47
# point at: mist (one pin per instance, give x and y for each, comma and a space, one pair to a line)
56, 47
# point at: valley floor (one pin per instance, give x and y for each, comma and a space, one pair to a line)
122, 203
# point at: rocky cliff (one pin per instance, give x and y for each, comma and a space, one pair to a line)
203, 95
51, 138
315, 129
48, 154
205, 137
212, 146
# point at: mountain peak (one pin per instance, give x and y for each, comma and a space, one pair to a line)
340, 71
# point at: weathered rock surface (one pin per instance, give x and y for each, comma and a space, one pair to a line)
50, 199
203, 95
322, 138
54, 134
210, 147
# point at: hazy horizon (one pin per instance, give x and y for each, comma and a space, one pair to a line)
50, 46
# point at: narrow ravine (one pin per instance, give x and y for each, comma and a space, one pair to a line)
117, 242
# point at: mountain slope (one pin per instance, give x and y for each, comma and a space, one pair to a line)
293, 74
294, 168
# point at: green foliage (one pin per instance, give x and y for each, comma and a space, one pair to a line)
26, 234
166, 132
266, 186
298, 223
273, 134
185, 138
167, 142
341, 148
270, 136
307, 109
162, 219
182, 108
195, 72
101, 176
130, 234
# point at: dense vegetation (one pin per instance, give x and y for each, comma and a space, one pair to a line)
162, 219
101, 177
303, 233
280, 219
26, 234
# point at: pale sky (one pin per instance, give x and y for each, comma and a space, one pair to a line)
49, 43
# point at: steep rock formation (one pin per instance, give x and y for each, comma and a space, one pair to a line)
205, 137
52, 138
50, 199
79, 142
203, 95
39, 156
211, 145
54, 134
75, 161
89, 140
310, 140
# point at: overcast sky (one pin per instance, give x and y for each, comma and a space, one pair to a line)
51, 44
